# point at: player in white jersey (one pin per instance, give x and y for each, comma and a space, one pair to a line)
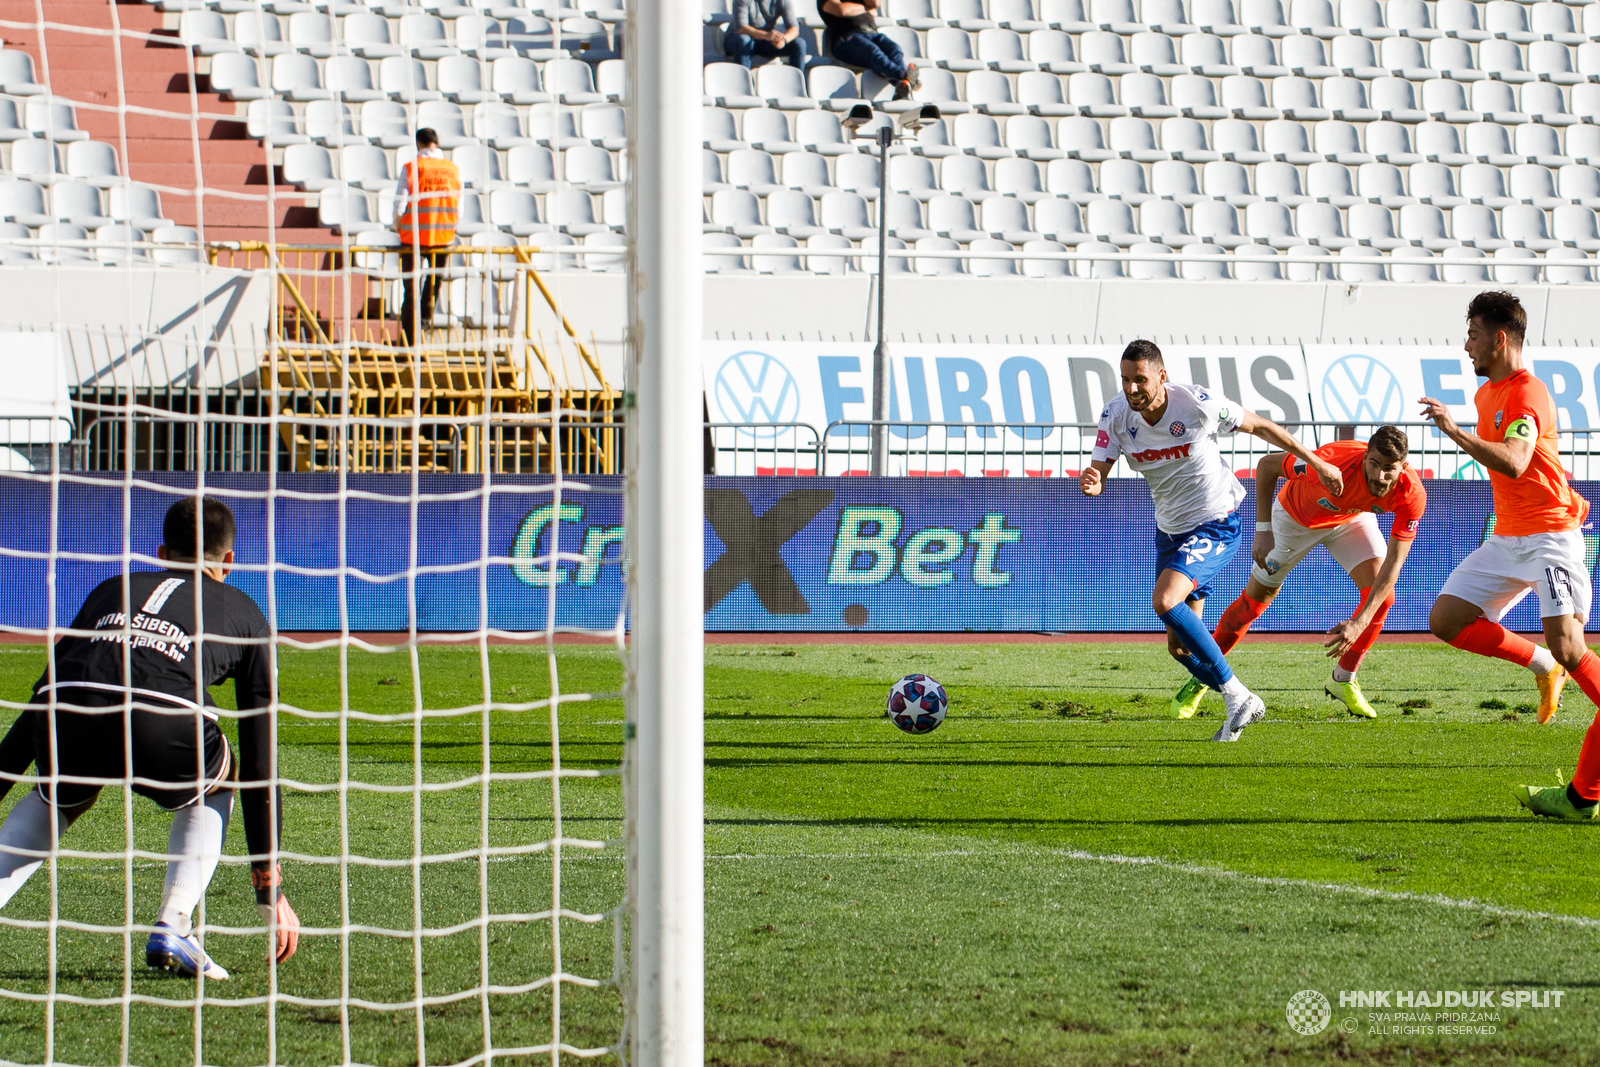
1167, 432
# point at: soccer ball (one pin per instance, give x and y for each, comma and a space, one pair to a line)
917, 704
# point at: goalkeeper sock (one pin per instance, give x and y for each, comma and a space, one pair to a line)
1236, 620
1351, 660
1205, 660
197, 836
1586, 776
28, 826
1491, 639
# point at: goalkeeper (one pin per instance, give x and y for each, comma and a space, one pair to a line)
154, 673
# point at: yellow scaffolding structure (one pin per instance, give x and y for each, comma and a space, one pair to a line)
484, 389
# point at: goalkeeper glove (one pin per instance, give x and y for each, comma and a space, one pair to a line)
275, 911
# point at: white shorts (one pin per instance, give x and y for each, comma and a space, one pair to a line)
1503, 570
1350, 544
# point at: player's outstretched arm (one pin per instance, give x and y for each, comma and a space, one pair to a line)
1093, 479
1268, 471
1273, 434
1342, 635
263, 801
1509, 457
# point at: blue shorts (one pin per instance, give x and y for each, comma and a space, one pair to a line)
1202, 552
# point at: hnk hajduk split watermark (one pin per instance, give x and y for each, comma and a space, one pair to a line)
1415, 1012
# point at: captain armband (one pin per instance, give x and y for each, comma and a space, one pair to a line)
1522, 429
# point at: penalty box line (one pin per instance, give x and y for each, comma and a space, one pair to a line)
1198, 870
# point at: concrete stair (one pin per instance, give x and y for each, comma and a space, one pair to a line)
160, 148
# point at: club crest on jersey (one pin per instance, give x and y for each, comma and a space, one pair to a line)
1326, 503
1179, 429
1498, 416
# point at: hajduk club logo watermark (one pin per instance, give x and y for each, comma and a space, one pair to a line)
1308, 1012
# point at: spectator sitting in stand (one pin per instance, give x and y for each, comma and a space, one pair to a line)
853, 38
753, 31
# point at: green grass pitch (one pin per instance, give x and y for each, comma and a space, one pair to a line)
1059, 875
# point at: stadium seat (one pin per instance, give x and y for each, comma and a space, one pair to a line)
1007, 219
448, 121
1482, 183
1272, 224
964, 175
1507, 267
954, 217
990, 92
311, 34
1227, 181
296, 77
1424, 224
903, 216
1440, 144
1045, 268
1475, 225
470, 220
16, 74
1279, 183
1196, 97
1155, 54
819, 132
1296, 97
1246, 97
1536, 185
722, 264
1579, 271
768, 129
327, 122
1498, 102
94, 162
1286, 141
35, 158
1205, 54
1135, 139
1165, 221
1071, 178
1112, 221
54, 120
1176, 180
1052, 50
730, 85
1002, 50
1320, 224
1040, 94
1082, 138
1524, 226
931, 267
1235, 139
783, 87
1410, 264
72, 247
1338, 140
77, 203
951, 49
515, 211
349, 78
1373, 224
1455, 270
1102, 53
205, 33
807, 172
1453, 58
1018, 15
343, 209
1575, 225
1217, 221
478, 164
309, 167
119, 243
532, 167
737, 211
1061, 220
405, 79
858, 174
846, 214
833, 88
1390, 142
259, 34
1579, 184
1151, 269
776, 264
137, 205
1123, 179
1306, 56
754, 170
1382, 183
274, 119
460, 79
23, 202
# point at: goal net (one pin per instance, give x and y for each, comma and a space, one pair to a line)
207, 293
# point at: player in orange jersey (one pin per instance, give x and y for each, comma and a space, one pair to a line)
1290, 523
1536, 545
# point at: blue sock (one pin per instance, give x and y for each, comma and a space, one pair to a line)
1206, 661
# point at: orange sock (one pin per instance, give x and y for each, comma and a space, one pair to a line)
1586, 778
1353, 655
1491, 639
1236, 621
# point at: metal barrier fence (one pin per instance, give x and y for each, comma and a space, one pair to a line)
996, 449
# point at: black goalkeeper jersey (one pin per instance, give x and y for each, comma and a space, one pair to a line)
167, 667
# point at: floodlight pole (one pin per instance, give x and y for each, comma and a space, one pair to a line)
880, 354
665, 509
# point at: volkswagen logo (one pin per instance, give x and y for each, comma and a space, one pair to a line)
1358, 389
755, 387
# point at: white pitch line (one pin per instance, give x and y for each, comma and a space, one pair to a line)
1397, 896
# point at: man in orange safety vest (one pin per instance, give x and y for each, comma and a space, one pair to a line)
426, 202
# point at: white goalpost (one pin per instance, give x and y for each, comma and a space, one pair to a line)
474, 887
665, 523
